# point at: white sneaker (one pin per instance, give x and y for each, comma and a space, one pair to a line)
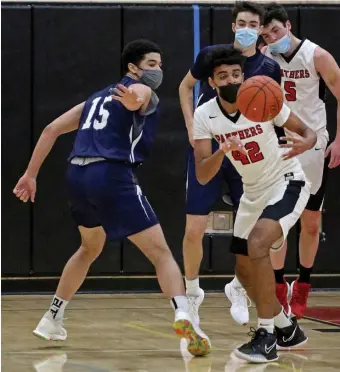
194, 304
239, 303
198, 342
54, 363
50, 330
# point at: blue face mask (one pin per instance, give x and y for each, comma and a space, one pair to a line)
246, 37
280, 46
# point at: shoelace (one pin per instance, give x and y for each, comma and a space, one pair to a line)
240, 294
193, 308
256, 337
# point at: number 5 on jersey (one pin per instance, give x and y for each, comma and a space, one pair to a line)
103, 115
254, 154
290, 90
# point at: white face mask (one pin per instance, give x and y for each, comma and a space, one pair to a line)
246, 37
280, 46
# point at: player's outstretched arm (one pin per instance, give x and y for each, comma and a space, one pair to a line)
329, 70
25, 189
133, 98
302, 137
185, 90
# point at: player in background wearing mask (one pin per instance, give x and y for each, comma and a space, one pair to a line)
305, 68
247, 23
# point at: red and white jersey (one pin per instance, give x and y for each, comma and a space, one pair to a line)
263, 165
302, 86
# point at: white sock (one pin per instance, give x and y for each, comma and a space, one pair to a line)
282, 320
236, 283
192, 286
57, 308
267, 324
180, 303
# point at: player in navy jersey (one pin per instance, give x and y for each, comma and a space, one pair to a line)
247, 25
115, 131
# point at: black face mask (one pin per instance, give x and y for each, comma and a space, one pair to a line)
229, 92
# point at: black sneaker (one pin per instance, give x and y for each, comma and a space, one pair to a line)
261, 348
291, 337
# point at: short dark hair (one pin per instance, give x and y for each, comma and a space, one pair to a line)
248, 6
224, 56
275, 11
134, 52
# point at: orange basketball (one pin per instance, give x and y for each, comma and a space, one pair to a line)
260, 99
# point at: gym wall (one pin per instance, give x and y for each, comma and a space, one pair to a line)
54, 56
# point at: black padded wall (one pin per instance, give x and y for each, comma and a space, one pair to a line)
53, 57
76, 52
16, 131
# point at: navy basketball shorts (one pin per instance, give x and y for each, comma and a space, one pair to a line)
201, 198
107, 194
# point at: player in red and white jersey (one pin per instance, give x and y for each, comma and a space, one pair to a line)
306, 69
276, 192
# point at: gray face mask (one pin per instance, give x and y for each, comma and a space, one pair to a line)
151, 78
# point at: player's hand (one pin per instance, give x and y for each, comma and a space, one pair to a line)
232, 144
334, 150
296, 143
26, 188
128, 97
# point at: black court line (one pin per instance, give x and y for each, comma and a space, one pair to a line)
322, 321
327, 330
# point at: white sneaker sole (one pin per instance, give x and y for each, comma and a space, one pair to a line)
253, 359
48, 338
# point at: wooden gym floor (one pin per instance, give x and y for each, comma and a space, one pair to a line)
133, 333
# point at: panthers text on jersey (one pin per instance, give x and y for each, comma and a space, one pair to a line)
263, 165
304, 90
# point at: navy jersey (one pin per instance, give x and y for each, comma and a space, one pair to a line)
108, 130
258, 64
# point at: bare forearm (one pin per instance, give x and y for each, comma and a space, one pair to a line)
67, 122
310, 136
41, 150
186, 100
207, 168
337, 137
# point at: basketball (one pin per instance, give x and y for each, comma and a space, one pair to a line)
260, 99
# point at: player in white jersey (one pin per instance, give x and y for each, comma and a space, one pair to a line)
275, 192
305, 68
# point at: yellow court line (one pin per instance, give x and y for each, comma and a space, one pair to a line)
148, 330
163, 334
158, 333
287, 368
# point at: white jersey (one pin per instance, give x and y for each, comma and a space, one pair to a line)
263, 165
302, 86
